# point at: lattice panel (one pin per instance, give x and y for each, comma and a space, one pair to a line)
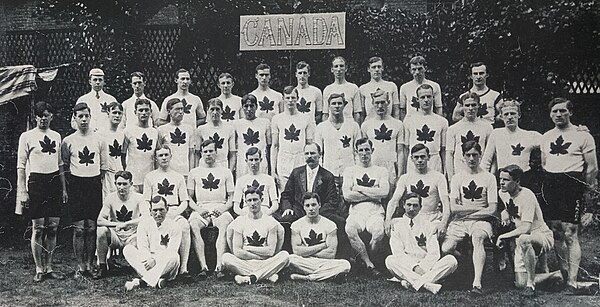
585, 83
158, 61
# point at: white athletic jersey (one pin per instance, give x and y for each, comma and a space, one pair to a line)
313, 234
367, 89
232, 108
191, 103
310, 100
262, 182
370, 177
510, 148
463, 131
98, 109
351, 95
140, 151
524, 207
223, 136
129, 116
40, 151
563, 149
408, 96
86, 155
170, 185
432, 187
116, 210
417, 240
155, 239
211, 185
292, 131
255, 232
386, 135
252, 133
487, 104
268, 102
429, 130
474, 190
114, 148
337, 145
180, 140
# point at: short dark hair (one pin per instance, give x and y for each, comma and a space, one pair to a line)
339, 57
337, 95
115, 105
80, 106
311, 195
157, 199
180, 70
466, 146
138, 74
249, 98
141, 101
208, 142
477, 64
375, 59
419, 147
42, 106
252, 151
253, 190
418, 60
302, 65
171, 102
127, 175
559, 100
362, 141
470, 95
316, 144
215, 102
515, 172
225, 75
288, 90
424, 86
411, 195
262, 66
162, 146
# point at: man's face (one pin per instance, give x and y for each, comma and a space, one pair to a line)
115, 115
507, 184
97, 82
560, 115
336, 105
254, 162
426, 99
226, 85
338, 68
176, 112
472, 157
364, 152
183, 81
249, 110
163, 157
290, 100
209, 154
381, 105
82, 119
311, 155
471, 106
302, 75
412, 207
138, 85
253, 202
263, 76
123, 186
215, 112
479, 75
159, 212
375, 70
417, 71
43, 122
312, 207
143, 112
510, 116
420, 159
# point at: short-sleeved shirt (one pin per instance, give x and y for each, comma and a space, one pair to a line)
180, 140
170, 185
255, 232
292, 131
463, 131
211, 184
432, 187
268, 103
223, 136
386, 135
232, 108
337, 145
140, 151
262, 182
191, 103
367, 89
313, 234
86, 155
429, 130
408, 96
510, 148
310, 100
351, 95
372, 176
487, 104
40, 151
114, 148
251, 133
129, 116
98, 109
563, 149
119, 210
524, 207
475, 191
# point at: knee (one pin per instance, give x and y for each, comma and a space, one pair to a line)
37, 231
227, 259
524, 241
450, 260
478, 237
346, 266
351, 229
129, 250
570, 234
389, 261
377, 233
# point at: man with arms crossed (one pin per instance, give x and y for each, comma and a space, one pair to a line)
257, 179
193, 109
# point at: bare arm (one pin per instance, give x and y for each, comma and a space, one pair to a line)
269, 249
305, 251
238, 248
331, 244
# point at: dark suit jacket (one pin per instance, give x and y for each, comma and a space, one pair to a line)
324, 185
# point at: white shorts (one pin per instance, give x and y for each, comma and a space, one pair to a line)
459, 229
366, 215
544, 238
210, 219
120, 240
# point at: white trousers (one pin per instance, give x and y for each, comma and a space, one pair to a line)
167, 264
262, 269
403, 270
318, 269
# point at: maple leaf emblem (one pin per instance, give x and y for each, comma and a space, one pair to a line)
313, 238
469, 137
472, 192
86, 157
259, 187
251, 137
217, 140
144, 143
415, 103
210, 183
383, 133
421, 240
255, 239
114, 149
512, 209
266, 104
228, 114
292, 134
559, 147
517, 149
482, 110
345, 141
420, 189
425, 135
187, 108
165, 188
164, 240
303, 105
365, 181
124, 215
48, 145
177, 137
104, 106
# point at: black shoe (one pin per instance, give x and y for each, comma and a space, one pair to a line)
38, 277
100, 272
185, 276
476, 291
202, 275
529, 292
55, 275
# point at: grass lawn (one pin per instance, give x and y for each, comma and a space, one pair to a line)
18, 289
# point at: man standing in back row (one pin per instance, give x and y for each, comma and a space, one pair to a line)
409, 103
366, 90
193, 108
488, 97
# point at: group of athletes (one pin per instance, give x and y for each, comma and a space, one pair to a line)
334, 164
